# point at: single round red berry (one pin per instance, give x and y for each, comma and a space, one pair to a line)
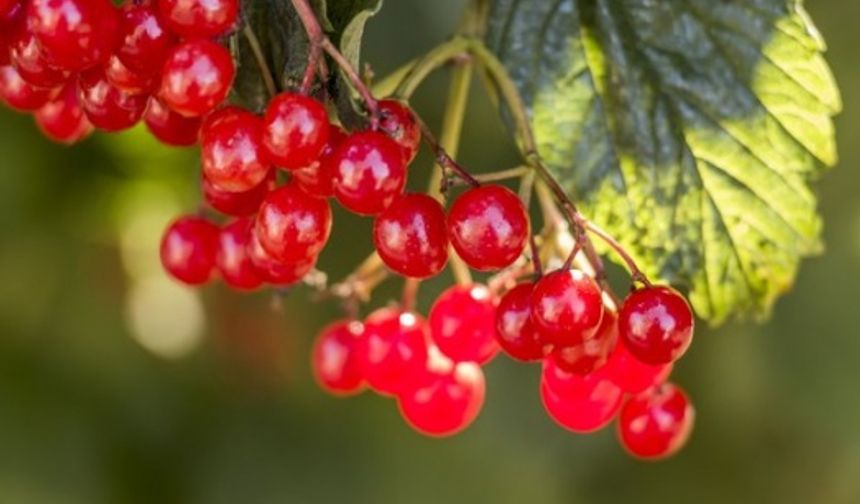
199, 18
393, 351
169, 127
74, 34
592, 354
144, 42
463, 323
489, 227
656, 423
107, 107
62, 119
631, 374
318, 177
398, 122
127, 80
233, 261
276, 272
580, 404
410, 236
448, 398
196, 78
17, 94
369, 172
27, 57
188, 249
293, 225
238, 204
567, 307
335, 361
656, 324
295, 130
515, 332
231, 150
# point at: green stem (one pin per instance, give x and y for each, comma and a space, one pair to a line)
429, 63
254, 43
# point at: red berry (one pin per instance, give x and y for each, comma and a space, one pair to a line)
239, 204
631, 374
567, 307
231, 150
196, 78
592, 354
188, 249
274, 271
318, 177
233, 260
369, 172
393, 351
335, 361
656, 324
74, 34
515, 332
293, 225
410, 236
62, 119
169, 127
144, 42
656, 423
448, 399
127, 80
199, 18
581, 404
16, 93
7, 6
463, 324
27, 57
107, 107
489, 227
399, 123
295, 130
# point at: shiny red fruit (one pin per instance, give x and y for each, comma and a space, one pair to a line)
515, 332
144, 41
592, 354
295, 130
631, 374
121, 77
463, 323
27, 57
448, 399
188, 249
318, 177
238, 204
6, 7
196, 77
657, 423
169, 127
393, 351
62, 119
232, 259
410, 236
369, 172
16, 93
567, 307
335, 361
398, 122
74, 34
488, 227
580, 404
231, 150
293, 225
109, 108
656, 324
199, 18
276, 272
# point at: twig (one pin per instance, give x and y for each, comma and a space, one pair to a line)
442, 157
254, 43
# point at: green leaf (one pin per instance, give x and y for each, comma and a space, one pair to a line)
689, 129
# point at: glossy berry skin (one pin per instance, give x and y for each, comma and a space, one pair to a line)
567, 307
238, 204
398, 122
631, 374
17, 94
144, 41
121, 77
196, 77
334, 359
393, 351
62, 119
169, 127
318, 177
656, 423
488, 227
580, 404
448, 399
276, 272
27, 57
293, 225
295, 130
232, 259
515, 332
6, 7
188, 249
656, 324
592, 354
411, 238
199, 18
74, 34
107, 107
463, 324
369, 172
231, 150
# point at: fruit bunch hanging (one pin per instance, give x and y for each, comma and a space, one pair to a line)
269, 178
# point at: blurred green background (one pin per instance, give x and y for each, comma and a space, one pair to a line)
117, 386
